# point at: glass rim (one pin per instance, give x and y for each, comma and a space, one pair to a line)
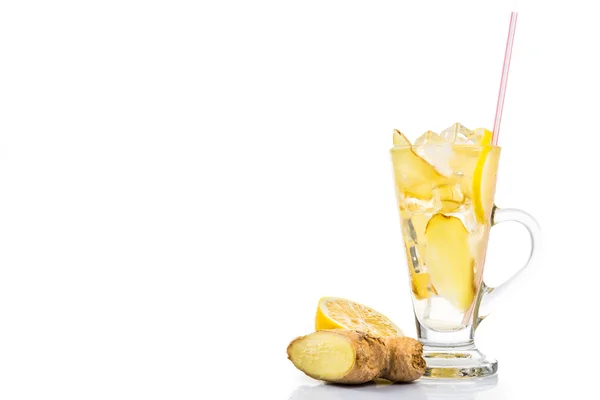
466, 146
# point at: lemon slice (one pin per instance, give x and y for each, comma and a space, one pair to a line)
484, 178
338, 313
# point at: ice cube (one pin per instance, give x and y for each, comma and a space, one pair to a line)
467, 216
436, 151
481, 136
414, 259
410, 231
414, 226
429, 137
458, 134
411, 241
437, 154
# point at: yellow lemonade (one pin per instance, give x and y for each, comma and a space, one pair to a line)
445, 187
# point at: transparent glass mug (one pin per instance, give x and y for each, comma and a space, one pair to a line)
446, 218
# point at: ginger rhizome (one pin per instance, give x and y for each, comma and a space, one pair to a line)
353, 357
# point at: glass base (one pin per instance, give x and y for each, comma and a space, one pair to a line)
456, 362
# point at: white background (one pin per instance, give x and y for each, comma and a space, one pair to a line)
181, 181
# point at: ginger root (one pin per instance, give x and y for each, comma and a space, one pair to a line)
353, 357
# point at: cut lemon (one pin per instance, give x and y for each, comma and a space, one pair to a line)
484, 178
338, 313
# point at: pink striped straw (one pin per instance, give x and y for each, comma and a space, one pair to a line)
504, 80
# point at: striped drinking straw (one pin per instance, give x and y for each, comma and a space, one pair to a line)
504, 79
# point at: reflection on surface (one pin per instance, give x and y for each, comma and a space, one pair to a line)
421, 390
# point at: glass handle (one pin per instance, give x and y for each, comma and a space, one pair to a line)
490, 294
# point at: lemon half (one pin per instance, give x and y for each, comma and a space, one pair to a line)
338, 313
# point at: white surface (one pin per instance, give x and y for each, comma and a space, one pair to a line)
181, 181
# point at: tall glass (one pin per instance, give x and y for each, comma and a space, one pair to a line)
446, 212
